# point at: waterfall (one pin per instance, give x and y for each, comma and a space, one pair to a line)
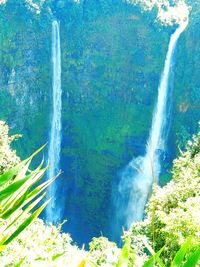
52, 211
136, 180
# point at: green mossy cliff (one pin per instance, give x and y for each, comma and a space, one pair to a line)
112, 58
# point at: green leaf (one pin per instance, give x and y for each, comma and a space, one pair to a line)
125, 253
22, 172
54, 257
20, 198
40, 188
92, 264
178, 259
28, 209
151, 262
20, 262
27, 198
18, 192
25, 223
9, 190
193, 259
150, 249
16, 205
40, 259
11, 173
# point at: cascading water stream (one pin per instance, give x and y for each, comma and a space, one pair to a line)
52, 211
136, 180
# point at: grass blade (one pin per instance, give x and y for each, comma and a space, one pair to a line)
178, 259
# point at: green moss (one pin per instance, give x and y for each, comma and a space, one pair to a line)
112, 59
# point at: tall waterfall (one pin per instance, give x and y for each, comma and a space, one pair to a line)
136, 180
52, 211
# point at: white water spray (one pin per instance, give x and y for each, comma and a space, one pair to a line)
52, 211
136, 180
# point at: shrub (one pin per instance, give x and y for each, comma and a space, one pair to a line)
8, 157
175, 208
103, 252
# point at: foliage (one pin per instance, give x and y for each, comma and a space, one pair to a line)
127, 257
102, 42
179, 258
168, 12
8, 157
101, 104
47, 246
42, 245
19, 190
20, 197
176, 208
103, 252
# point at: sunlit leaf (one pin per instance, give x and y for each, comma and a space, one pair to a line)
54, 257
178, 259
82, 263
193, 259
11, 173
26, 223
19, 263
2, 247
125, 253
26, 211
151, 262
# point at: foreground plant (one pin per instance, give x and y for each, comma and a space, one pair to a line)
180, 259
174, 209
8, 157
19, 195
128, 256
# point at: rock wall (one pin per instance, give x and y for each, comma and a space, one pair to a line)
112, 58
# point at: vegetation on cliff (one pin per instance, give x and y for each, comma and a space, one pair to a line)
112, 57
167, 12
173, 210
8, 157
172, 218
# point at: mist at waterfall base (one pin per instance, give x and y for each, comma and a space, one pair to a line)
136, 179
53, 209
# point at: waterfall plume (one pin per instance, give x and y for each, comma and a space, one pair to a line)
52, 210
136, 179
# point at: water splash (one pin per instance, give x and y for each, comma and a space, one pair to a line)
136, 179
52, 211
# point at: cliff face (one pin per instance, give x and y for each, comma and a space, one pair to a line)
112, 58
25, 72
